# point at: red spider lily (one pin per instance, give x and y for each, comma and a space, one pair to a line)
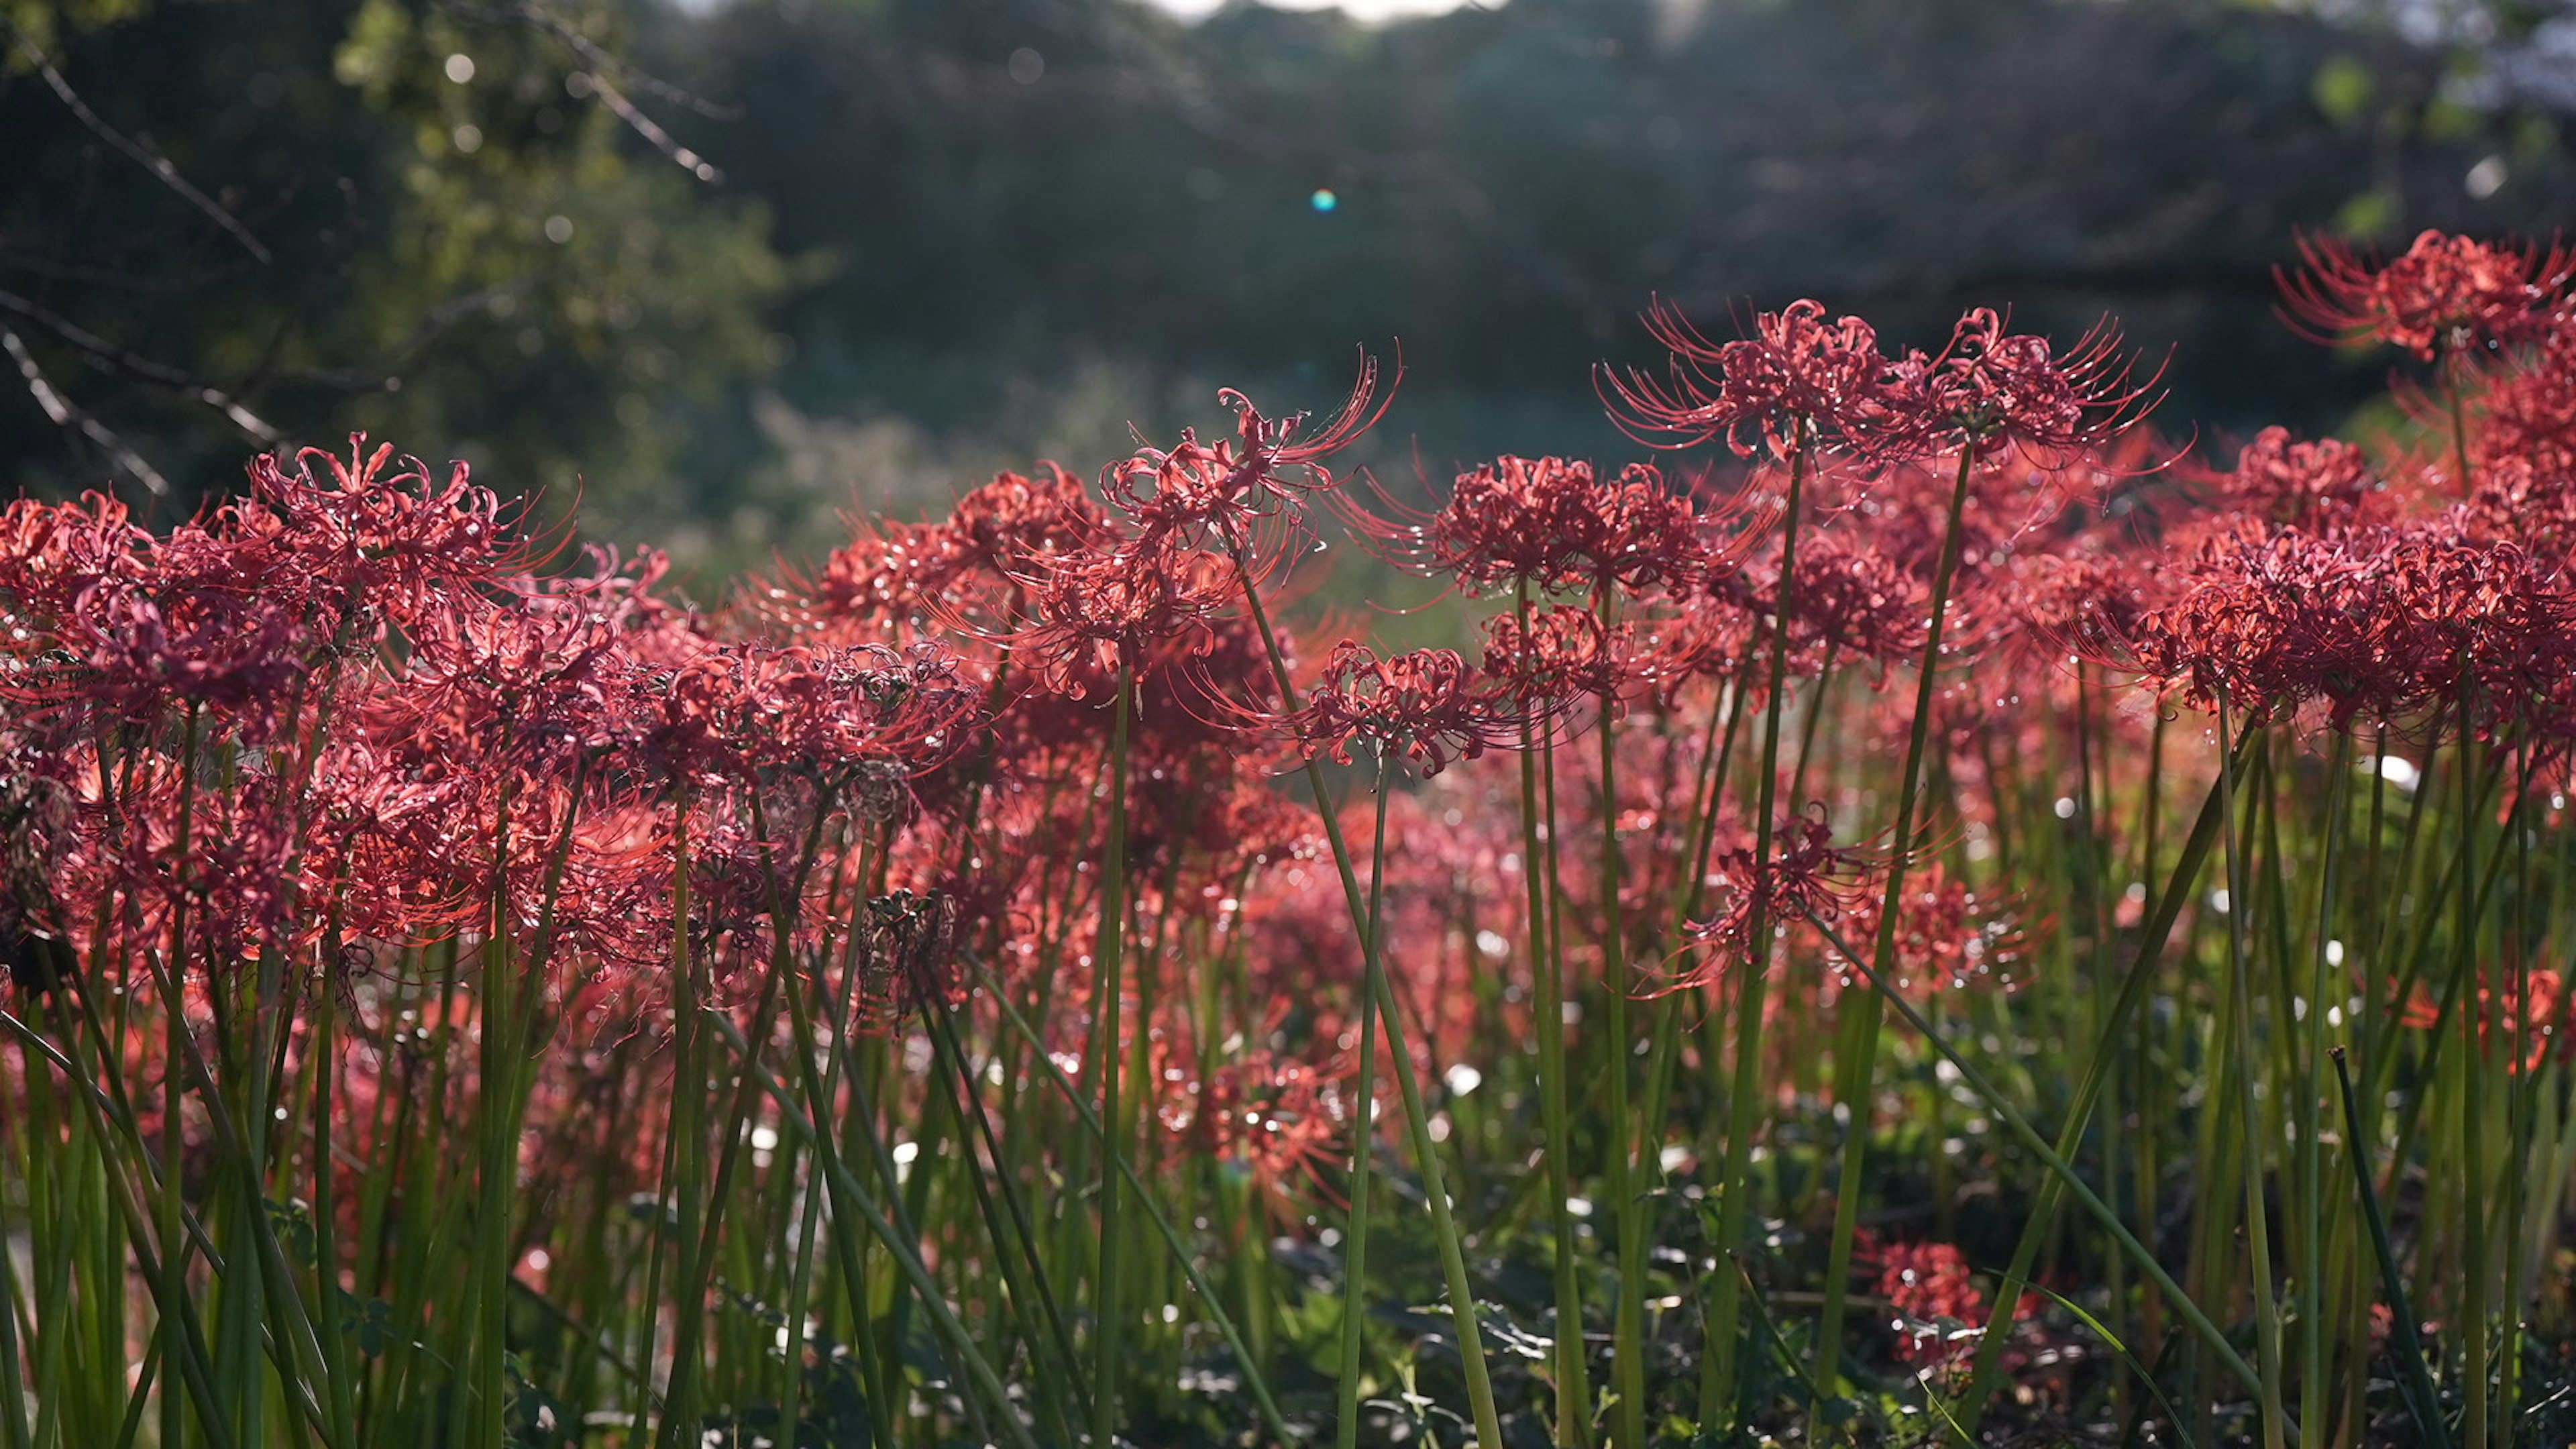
2378, 622
1281, 1121
386, 539
1939, 1306
2269, 621
102, 613
2087, 605
1201, 829
1715, 635
489, 684
2320, 486
872, 586
1808, 878
1549, 524
2523, 447
381, 846
1648, 536
1854, 602
2530, 411
1797, 379
893, 578
1989, 388
1946, 939
1101, 611
1563, 654
1515, 521
2446, 294
1013, 523
1427, 706
1200, 494
52, 554
2530, 1011
2494, 616
1857, 601
151, 649
735, 711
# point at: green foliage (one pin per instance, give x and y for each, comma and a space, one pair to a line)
468, 244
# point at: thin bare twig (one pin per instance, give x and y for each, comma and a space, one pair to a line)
142, 369
592, 79
644, 126
594, 56
65, 413
141, 154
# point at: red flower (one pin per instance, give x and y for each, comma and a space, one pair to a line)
1940, 1308
737, 710
1562, 655
384, 539
2319, 486
1102, 610
2533, 1012
2523, 441
1202, 493
1809, 878
1555, 523
1013, 523
1796, 372
1946, 939
1989, 387
1427, 706
2447, 293
1515, 521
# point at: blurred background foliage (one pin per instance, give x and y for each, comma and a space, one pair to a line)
721, 270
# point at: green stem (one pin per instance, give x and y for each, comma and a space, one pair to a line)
1717, 1389
1108, 986
1346, 1421
2416, 1387
2474, 1225
1986, 1376
1547, 968
1858, 1084
1453, 1259
2312, 1296
1628, 1322
2103, 1213
850, 1193
1271, 1418
2267, 1309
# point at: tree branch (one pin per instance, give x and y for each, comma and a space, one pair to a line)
145, 156
142, 369
65, 413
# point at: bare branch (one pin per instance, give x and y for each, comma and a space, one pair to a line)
145, 156
594, 56
644, 126
67, 414
143, 369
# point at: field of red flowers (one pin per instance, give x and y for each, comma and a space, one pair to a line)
1930, 916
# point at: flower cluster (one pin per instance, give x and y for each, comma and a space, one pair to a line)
354, 807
